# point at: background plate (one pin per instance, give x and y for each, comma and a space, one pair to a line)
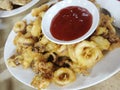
4, 14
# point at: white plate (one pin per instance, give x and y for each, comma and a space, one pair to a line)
4, 14
103, 70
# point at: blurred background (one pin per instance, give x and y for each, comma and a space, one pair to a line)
8, 82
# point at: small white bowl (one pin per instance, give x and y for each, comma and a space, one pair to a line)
49, 15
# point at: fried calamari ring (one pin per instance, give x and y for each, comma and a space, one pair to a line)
19, 26
71, 53
87, 53
21, 40
102, 43
36, 28
64, 76
36, 11
40, 82
62, 50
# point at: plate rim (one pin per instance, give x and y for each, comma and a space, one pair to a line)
4, 14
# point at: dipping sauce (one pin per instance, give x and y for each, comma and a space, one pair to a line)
71, 23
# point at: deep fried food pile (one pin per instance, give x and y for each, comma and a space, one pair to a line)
9, 4
59, 63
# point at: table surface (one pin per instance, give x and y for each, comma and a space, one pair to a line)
7, 82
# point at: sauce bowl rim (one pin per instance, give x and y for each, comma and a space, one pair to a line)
52, 11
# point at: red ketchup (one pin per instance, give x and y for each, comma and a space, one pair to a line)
71, 23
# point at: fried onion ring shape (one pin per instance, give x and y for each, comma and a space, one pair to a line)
64, 76
87, 53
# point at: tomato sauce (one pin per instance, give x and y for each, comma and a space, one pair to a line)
71, 23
